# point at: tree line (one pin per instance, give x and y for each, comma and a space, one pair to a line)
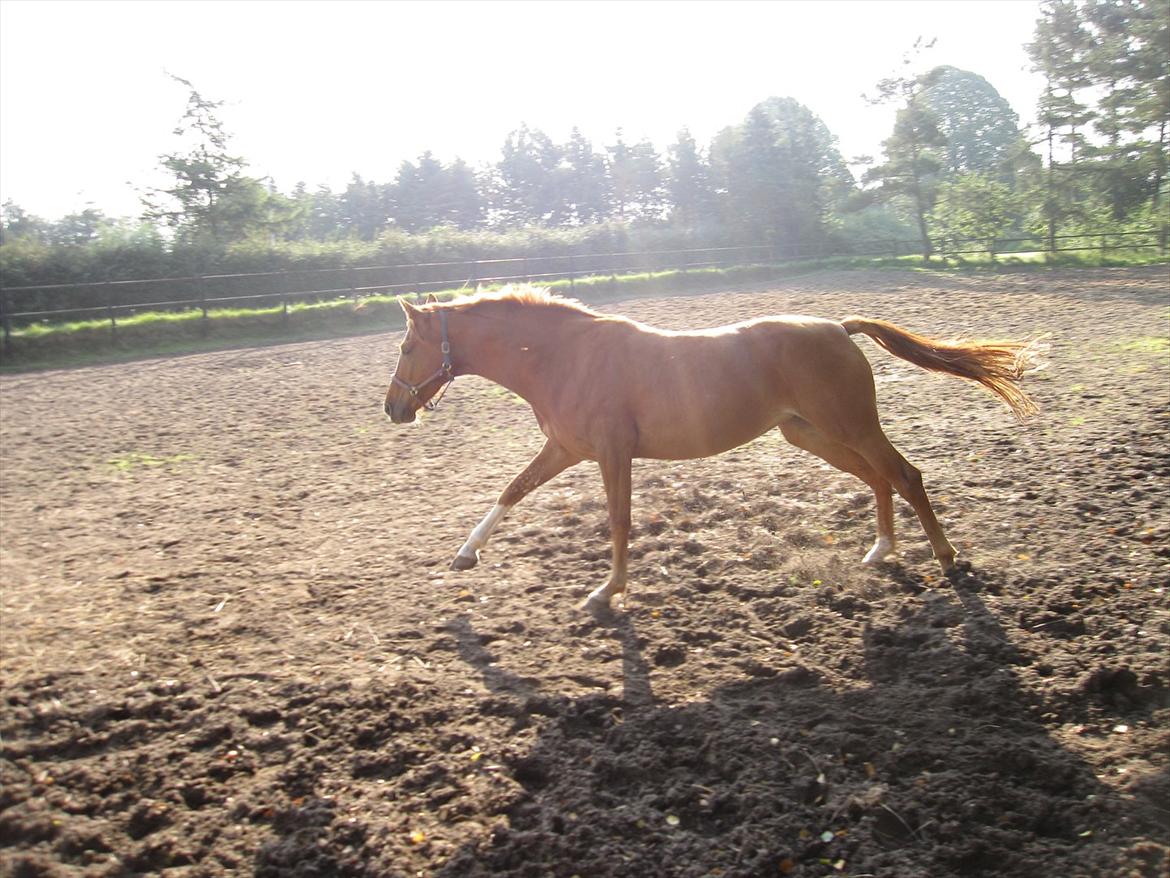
957, 164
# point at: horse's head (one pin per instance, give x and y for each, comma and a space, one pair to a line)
424, 363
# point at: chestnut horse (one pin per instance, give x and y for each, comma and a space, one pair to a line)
608, 389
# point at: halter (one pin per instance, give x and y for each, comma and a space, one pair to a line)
446, 372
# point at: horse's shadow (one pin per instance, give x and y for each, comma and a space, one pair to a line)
914, 774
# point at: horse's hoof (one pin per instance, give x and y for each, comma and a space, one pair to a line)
883, 549
947, 563
465, 562
598, 606
595, 606
959, 571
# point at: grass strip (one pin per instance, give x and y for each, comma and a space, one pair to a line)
162, 333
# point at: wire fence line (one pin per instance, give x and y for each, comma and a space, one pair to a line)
110, 300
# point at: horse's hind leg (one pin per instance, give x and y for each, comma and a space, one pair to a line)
804, 435
907, 481
840, 402
616, 473
551, 460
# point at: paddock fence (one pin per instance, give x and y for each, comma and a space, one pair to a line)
116, 299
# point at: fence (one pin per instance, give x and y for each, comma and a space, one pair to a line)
1102, 242
111, 300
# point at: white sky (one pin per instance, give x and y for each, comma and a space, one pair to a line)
315, 91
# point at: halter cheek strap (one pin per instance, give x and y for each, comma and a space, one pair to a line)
445, 373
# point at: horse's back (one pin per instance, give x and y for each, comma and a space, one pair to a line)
697, 393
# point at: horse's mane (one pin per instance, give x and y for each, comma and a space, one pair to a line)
522, 295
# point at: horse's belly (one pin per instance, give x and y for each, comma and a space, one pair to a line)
688, 433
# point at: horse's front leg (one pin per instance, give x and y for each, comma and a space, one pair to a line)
616, 473
551, 460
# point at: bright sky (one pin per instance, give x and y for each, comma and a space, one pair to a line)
316, 91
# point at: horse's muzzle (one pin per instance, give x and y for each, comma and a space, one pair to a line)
404, 415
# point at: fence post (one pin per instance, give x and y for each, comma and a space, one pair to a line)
109, 290
6, 321
204, 321
572, 274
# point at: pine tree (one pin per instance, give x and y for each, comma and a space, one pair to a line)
913, 152
1128, 63
463, 205
584, 182
525, 187
688, 183
1058, 51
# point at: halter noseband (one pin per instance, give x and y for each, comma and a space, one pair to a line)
445, 373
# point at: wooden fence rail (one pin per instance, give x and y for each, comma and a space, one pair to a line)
112, 299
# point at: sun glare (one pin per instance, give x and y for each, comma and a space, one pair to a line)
316, 92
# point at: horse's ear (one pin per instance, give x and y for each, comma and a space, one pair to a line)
408, 309
431, 299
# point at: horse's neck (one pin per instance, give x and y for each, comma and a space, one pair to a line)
518, 353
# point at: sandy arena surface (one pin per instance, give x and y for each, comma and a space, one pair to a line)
231, 643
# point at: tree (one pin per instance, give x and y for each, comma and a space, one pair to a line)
525, 186
974, 207
19, 224
817, 180
621, 177
1058, 51
364, 211
646, 173
980, 127
428, 195
1148, 112
688, 183
584, 181
1128, 65
315, 216
461, 203
210, 199
636, 179
778, 175
755, 173
415, 199
78, 229
911, 171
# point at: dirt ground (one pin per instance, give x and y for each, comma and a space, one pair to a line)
232, 643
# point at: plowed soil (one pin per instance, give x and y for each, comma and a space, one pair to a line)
232, 644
